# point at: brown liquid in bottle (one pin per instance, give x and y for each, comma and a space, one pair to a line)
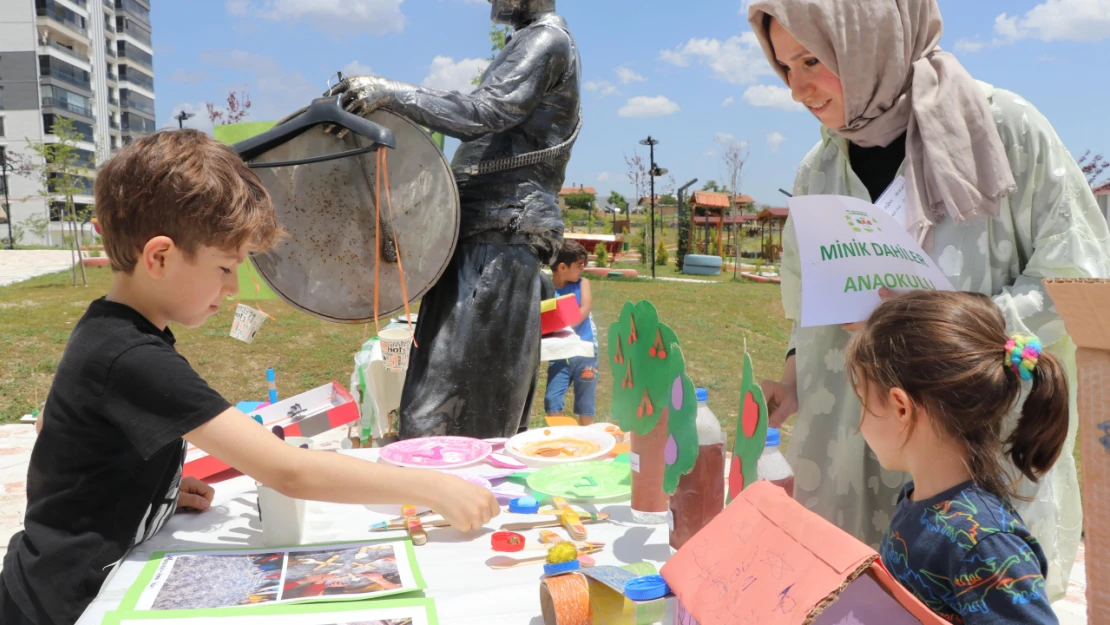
700, 496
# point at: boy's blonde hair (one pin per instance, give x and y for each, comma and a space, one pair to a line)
184, 185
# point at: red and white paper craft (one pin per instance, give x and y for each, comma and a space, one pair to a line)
767, 559
320, 410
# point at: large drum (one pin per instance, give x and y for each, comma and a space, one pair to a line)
328, 266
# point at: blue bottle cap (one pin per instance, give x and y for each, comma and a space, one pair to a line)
524, 505
646, 588
773, 437
562, 567
258, 418
702, 394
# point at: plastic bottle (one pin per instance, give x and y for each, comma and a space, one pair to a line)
700, 496
773, 466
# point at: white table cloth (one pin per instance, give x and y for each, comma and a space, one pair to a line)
465, 590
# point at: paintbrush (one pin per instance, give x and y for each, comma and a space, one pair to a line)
389, 526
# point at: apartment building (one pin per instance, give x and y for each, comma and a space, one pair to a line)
90, 61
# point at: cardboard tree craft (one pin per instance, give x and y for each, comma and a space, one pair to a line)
655, 401
751, 433
768, 560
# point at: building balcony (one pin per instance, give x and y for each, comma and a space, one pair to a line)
69, 106
69, 77
113, 124
113, 101
110, 51
68, 51
49, 16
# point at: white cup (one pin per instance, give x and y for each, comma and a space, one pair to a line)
247, 323
282, 516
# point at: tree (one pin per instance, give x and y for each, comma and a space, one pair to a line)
661, 254
616, 199
238, 109
1093, 168
602, 254
711, 185
734, 154
62, 173
498, 39
638, 176
583, 201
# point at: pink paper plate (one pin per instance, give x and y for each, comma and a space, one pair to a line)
437, 452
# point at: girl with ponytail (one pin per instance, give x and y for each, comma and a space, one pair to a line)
937, 375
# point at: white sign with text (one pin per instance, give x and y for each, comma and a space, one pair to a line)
849, 250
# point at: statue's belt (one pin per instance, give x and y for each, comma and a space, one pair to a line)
531, 158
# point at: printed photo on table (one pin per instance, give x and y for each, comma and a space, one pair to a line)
211, 581
356, 571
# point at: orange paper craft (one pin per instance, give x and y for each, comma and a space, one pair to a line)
769, 560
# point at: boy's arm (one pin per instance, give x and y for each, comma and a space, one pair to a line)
587, 301
236, 439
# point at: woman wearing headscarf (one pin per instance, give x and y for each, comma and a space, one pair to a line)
992, 195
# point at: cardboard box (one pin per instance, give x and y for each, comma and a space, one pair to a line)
558, 313
324, 409
1085, 308
768, 559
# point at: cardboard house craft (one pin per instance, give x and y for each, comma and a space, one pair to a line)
1085, 308
767, 559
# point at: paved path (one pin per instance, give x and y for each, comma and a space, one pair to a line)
20, 265
17, 440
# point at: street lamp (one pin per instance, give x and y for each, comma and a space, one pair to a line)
181, 117
654, 171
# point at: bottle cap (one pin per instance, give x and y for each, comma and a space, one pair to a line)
646, 588
524, 505
508, 542
702, 394
258, 418
773, 437
562, 567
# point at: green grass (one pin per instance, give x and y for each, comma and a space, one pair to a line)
712, 322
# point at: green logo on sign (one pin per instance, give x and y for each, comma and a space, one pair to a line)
861, 222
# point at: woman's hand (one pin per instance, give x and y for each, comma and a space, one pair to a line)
194, 495
884, 294
465, 506
782, 396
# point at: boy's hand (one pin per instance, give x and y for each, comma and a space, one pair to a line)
462, 504
194, 495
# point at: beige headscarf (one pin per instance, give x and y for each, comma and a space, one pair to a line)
896, 79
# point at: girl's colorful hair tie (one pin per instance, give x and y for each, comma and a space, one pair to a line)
1022, 353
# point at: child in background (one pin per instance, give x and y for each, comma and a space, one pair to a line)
179, 213
938, 375
566, 274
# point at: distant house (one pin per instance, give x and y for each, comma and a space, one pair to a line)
743, 203
1102, 196
565, 191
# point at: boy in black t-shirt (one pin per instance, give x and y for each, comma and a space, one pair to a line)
179, 213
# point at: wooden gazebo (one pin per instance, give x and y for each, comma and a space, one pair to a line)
770, 219
707, 204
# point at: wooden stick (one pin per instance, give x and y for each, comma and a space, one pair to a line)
600, 517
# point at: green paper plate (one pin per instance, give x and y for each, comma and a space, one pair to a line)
584, 481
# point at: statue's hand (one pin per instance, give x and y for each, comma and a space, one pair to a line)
363, 95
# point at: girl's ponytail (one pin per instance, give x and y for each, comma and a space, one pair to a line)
1039, 437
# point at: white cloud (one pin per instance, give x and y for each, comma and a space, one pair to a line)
774, 140
710, 153
448, 75
356, 68
604, 88
772, 96
724, 137
737, 60
729, 101
350, 17
627, 76
180, 75
643, 106
603, 177
1052, 20
275, 92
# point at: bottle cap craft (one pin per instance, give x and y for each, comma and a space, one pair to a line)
524, 505
646, 588
508, 542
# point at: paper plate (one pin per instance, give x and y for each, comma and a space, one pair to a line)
476, 480
437, 452
584, 481
517, 444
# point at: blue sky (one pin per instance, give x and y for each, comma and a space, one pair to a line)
689, 73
